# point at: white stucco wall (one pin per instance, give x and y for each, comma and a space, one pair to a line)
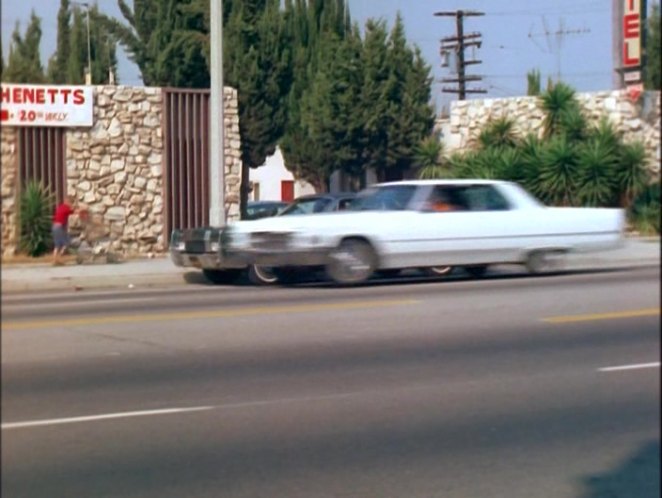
269, 177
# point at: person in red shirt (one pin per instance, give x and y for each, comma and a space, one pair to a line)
60, 227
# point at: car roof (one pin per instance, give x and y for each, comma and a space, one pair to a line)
265, 203
445, 181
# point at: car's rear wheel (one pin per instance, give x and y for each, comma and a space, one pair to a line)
437, 271
476, 271
541, 262
352, 262
261, 275
220, 277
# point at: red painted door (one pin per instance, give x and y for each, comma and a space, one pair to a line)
287, 190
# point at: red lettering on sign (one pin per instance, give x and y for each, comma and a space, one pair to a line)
28, 95
627, 60
52, 92
631, 4
65, 94
5, 96
631, 26
16, 96
79, 97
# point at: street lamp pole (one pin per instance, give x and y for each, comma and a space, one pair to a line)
217, 118
88, 79
89, 48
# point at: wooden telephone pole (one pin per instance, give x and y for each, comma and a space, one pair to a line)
458, 44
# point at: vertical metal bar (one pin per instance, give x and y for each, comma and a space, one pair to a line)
193, 115
173, 162
205, 158
187, 146
182, 172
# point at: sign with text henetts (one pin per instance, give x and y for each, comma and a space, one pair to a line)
46, 105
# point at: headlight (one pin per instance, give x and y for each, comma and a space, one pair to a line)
181, 246
215, 246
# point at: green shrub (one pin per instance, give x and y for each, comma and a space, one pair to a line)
36, 209
644, 213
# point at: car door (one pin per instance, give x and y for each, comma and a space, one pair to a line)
462, 224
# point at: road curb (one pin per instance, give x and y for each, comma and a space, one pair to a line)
86, 283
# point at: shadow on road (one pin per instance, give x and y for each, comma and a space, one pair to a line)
637, 477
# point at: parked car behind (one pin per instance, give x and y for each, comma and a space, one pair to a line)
413, 224
264, 209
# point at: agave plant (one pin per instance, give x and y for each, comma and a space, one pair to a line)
428, 156
36, 208
631, 174
558, 173
499, 132
605, 133
531, 158
597, 163
572, 123
556, 101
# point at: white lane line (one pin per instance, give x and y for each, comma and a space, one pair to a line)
637, 366
92, 418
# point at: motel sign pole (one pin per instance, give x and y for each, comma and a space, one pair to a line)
217, 119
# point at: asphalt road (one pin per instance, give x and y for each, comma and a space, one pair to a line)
509, 386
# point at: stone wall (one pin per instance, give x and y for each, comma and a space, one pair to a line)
116, 168
8, 151
637, 121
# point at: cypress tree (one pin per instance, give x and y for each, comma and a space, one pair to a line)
24, 62
57, 65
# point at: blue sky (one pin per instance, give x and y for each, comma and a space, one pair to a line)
513, 38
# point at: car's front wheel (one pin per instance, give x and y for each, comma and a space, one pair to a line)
352, 262
261, 275
220, 277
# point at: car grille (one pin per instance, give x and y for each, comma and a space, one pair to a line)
270, 241
195, 246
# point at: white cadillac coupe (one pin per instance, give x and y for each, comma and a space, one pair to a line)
428, 223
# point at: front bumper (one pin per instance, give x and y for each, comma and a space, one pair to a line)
206, 261
296, 257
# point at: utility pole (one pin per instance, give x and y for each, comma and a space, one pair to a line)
458, 44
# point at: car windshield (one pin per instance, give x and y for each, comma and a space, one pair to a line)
385, 198
307, 206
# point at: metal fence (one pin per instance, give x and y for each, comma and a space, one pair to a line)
186, 165
41, 157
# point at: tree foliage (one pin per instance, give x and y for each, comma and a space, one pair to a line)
533, 87
24, 62
652, 72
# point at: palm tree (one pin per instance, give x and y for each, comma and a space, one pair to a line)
556, 101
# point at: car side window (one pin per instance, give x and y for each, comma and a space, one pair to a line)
485, 198
445, 198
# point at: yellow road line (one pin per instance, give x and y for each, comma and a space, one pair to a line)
603, 316
191, 315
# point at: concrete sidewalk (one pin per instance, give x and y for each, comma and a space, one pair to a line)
637, 252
